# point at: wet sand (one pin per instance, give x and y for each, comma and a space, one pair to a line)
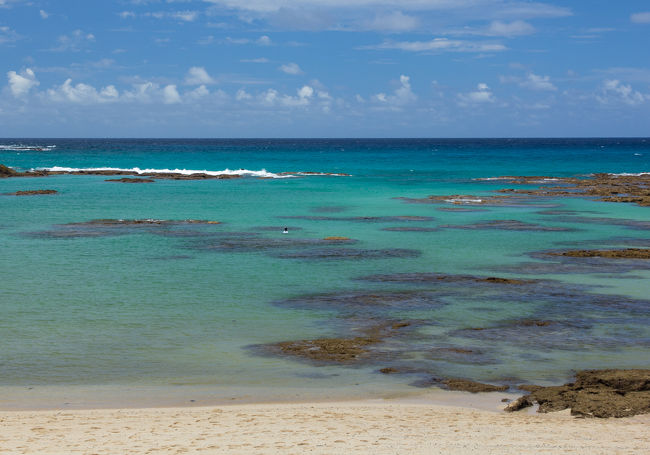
351, 427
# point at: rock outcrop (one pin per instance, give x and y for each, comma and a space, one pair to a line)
595, 393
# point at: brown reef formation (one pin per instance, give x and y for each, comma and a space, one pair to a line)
627, 253
339, 350
606, 187
595, 393
32, 192
130, 180
634, 188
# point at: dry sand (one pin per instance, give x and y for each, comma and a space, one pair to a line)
377, 427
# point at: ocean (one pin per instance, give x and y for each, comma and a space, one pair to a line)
107, 313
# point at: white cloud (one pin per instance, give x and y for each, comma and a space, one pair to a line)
126, 14
261, 41
184, 16
255, 60
272, 97
74, 42
402, 95
291, 68
242, 95
535, 82
515, 28
44, 14
392, 22
482, 95
497, 28
511, 8
7, 35
198, 93
82, 93
171, 95
440, 45
614, 91
187, 16
197, 75
21, 84
641, 18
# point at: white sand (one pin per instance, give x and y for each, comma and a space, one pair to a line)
383, 427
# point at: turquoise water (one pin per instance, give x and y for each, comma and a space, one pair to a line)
187, 307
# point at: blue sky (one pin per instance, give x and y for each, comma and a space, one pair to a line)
324, 68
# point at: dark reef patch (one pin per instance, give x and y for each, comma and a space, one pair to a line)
348, 253
117, 227
329, 209
32, 192
431, 278
630, 224
508, 225
130, 180
409, 229
361, 219
275, 228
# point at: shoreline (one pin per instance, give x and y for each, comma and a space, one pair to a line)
88, 398
367, 426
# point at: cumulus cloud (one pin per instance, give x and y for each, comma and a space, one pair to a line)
291, 68
264, 41
82, 93
21, 84
440, 45
401, 96
613, 91
272, 97
481, 95
44, 14
641, 18
197, 75
171, 95
535, 82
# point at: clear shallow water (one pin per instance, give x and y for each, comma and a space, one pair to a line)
173, 308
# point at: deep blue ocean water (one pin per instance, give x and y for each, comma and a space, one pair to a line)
192, 307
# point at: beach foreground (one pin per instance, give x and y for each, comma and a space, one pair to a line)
378, 427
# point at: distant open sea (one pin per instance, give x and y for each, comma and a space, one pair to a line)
138, 314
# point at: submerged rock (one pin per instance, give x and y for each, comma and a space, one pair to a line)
595, 393
339, 350
465, 385
32, 192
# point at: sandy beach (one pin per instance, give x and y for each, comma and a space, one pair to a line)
378, 427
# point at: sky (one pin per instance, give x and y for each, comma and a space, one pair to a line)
324, 68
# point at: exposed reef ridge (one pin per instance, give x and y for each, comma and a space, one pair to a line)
595, 393
32, 192
633, 188
156, 174
627, 253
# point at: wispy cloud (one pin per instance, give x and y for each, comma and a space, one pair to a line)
641, 18
440, 45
